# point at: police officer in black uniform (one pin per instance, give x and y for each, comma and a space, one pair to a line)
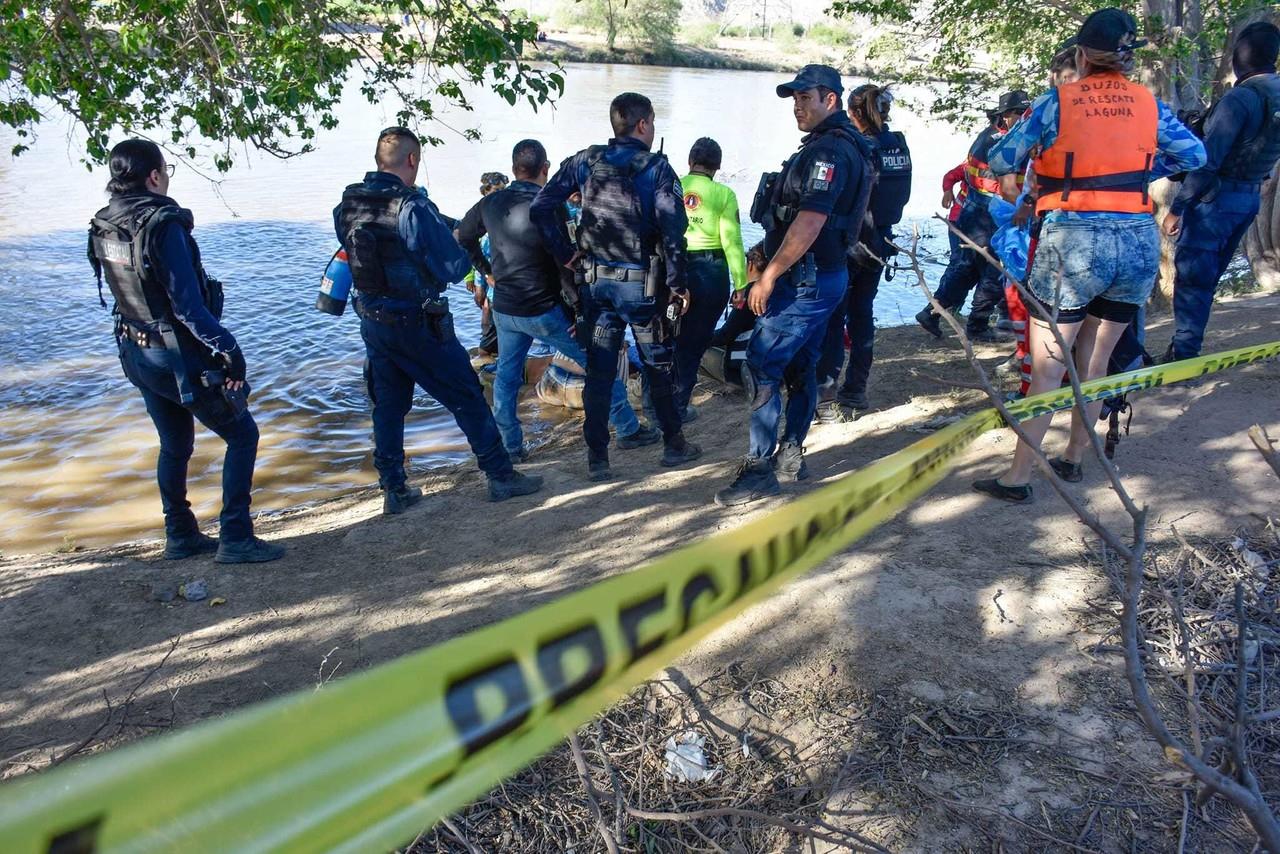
809, 211
174, 349
869, 107
402, 255
630, 255
1218, 202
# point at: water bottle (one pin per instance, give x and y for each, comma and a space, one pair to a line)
335, 286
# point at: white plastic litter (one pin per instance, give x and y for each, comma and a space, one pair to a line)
686, 759
1251, 559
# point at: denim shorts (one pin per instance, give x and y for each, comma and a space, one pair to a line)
1081, 258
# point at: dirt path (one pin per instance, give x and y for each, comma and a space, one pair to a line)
958, 597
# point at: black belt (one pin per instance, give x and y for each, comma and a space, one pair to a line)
404, 317
142, 335
619, 274
706, 253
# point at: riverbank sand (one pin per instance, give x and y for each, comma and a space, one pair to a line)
959, 596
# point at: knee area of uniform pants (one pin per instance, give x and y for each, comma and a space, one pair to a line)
243, 432
759, 391
177, 449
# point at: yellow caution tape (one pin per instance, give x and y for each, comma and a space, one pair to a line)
365, 763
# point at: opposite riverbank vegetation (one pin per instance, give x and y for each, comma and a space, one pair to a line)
703, 47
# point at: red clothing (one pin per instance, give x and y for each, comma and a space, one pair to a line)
1021, 319
949, 180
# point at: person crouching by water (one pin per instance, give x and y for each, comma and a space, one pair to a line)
1102, 139
402, 253
172, 346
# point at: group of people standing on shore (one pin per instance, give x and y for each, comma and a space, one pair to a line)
615, 241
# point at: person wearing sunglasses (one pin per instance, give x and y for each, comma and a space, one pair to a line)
402, 255
174, 348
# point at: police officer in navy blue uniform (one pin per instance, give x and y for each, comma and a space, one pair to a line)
809, 210
402, 255
1217, 202
869, 110
174, 348
630, 256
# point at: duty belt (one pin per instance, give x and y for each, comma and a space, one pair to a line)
618, 274
143, 335
437, 307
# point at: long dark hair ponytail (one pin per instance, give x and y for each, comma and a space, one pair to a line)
871, 103
132, 162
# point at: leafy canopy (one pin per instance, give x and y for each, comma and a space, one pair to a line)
969, 51
264, 72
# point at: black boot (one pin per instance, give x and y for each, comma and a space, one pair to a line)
396, 501
177, 548
788, 462
514, 484
252, 550
641, 437
755, 480
855, 400
680, 451
598, 467
930, 322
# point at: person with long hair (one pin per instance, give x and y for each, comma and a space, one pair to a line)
868, 108
1101, 140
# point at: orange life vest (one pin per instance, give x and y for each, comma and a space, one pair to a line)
1101, 160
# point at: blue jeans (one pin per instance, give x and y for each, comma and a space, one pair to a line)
858, 317
784, 348
608, 307
515, 336
429, 355
707, 278
1081, 258
151, 370
1211, 232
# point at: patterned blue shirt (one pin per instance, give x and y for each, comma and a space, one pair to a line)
1177, 148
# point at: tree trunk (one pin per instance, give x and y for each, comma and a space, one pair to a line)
1262, 241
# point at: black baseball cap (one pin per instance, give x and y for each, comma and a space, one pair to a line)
1111, 30
811, 77
1015, 100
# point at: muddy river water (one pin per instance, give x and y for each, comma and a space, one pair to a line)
77, 451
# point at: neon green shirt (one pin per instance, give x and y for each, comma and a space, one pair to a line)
712, 209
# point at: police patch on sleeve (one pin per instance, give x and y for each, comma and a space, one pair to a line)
821, 175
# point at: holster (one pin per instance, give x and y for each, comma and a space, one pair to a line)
804, 272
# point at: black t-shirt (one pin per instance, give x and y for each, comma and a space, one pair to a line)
824, 176
526, 276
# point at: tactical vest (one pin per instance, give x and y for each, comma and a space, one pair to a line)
893, 187
789, 185
381, 265
614, 228
1101, 160
120, 250
1252, 160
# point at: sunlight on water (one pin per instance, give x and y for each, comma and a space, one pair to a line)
78, 452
